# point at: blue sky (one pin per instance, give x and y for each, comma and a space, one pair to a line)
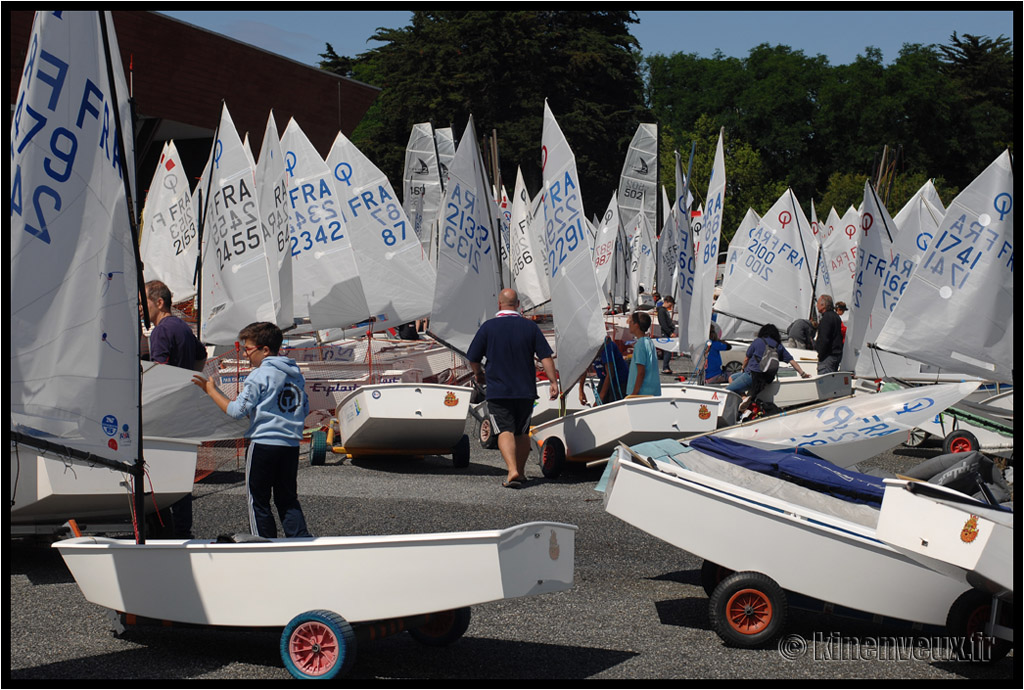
840, 35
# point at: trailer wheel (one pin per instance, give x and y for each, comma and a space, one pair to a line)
552, 457
966, 626
747, 609
317, 448
960, 442
485, 434
442, 628
318, 645
711, 574
460, 453
916, 437
732, 367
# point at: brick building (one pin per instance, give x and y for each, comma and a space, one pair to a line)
179, 74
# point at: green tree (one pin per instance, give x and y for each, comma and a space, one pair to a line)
981, 75
500, 67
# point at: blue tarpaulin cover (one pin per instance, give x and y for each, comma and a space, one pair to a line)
800, 467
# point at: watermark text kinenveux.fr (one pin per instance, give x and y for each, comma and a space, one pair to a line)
836, 647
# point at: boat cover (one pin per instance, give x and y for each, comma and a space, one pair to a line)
799, 467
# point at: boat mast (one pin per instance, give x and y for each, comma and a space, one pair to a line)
138, 470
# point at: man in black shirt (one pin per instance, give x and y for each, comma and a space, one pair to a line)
829, 342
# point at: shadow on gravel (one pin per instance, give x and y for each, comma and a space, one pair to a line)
689, 612
172, 653
181, 653
35, 559
224, 477
482, 658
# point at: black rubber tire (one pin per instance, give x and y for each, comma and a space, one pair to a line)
747, 609
317, 448
733, 368
318, 645
460, 453
552, 458
710, 575
960, 441
484, 434
443, 628
965, 624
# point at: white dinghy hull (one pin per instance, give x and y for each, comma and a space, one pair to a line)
370, 577
403, 417
934, 524
792, 391
815, 553
46, 489
594, 433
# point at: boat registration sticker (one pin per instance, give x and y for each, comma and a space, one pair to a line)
376, 395
970, 531
450, 400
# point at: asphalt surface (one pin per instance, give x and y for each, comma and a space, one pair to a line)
636, 609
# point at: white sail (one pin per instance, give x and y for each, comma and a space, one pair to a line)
528, 275
957, 310
168, 240
851, 430
771, 282
643, 262
272, 191
874, 255
397, 278
822, 281
421, 184
326, 281
705, 254
686, 264
444, 138
638, 183
735, 276
575, 296
466, 290
839, 242
668, 248
74, 289
236, 273
502, 212
928, 193
604, 250
917, 222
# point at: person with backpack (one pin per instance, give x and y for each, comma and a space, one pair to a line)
762, 364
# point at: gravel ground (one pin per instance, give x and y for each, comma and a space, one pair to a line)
636, 609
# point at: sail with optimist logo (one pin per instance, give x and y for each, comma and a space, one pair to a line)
576, 303
326, 284
957, 310
397, 277
74, 283
168, 241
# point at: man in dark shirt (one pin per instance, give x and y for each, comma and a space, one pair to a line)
509, 343
829, 341
172, 342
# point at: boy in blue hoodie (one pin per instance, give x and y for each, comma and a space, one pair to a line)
273, 397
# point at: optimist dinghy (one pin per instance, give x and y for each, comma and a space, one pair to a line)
593, 433
418, 419
762, 536
196, 582
935, 523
